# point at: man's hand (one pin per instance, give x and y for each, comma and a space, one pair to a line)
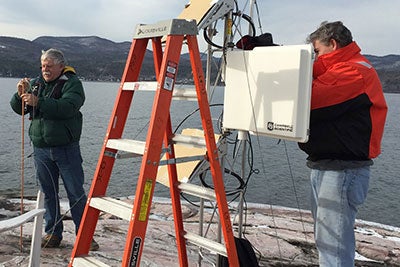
29, 99
23, 86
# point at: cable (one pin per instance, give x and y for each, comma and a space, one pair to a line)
241, 181
227, 171
295, 194
235, 14
190, 114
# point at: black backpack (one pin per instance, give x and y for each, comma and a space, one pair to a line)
248, 42
247, 256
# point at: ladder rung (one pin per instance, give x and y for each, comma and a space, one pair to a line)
198, 191
178, 93
112, 206
141, 86
189, 140
184, 94
127, 145
87, 261
181, 160
206, 243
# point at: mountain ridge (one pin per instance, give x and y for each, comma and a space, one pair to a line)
100, 59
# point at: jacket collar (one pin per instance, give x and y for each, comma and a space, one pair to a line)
340, 55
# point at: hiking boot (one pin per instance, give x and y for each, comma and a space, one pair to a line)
50, 241
94, 246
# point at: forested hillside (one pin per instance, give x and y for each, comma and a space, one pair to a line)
99, 59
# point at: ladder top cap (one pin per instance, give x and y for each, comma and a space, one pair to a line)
166, 27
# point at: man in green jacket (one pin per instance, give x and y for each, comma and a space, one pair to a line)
53, 102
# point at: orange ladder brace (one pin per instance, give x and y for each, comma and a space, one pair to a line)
159, 133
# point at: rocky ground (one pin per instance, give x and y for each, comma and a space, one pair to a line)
280, 236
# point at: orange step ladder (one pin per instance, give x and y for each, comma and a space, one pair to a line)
159, 139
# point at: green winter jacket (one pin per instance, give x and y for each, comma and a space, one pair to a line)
56, 120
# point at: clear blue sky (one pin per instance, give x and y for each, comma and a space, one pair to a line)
374, 23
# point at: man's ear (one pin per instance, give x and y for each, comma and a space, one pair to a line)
334, 44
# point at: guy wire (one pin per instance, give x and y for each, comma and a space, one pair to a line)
261, 158
295, 193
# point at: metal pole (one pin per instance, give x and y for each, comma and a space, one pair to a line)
242, 136
251, 13
201, 223
22, 169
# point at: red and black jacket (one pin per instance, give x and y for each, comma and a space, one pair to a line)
348, 108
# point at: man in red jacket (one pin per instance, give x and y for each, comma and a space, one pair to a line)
348, 112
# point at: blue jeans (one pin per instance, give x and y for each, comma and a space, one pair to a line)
66, 162
334, 201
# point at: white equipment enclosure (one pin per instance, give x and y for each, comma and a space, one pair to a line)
268, 91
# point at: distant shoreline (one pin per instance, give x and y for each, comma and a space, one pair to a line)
178, 82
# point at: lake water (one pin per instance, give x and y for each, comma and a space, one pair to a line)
282, 178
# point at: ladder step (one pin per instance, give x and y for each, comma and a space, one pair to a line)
138, 147
177, 94
198, 191
184, 94
127, 145
189, 140
87, 261
206, 243
112, 206
141, 86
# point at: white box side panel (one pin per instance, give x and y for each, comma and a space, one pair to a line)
268, 91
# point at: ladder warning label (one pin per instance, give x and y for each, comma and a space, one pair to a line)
135, 251
170, 76
145, 200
